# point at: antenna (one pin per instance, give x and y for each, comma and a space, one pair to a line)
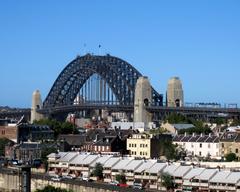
84, 48
99, 49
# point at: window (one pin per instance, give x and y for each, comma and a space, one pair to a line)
222, 144
236, 150
146, 145
140, 152
129, 144
192, 145
200, 145
209, 145
135, 145
200, 153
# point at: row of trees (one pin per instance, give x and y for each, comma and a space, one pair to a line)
199, 125
58, 127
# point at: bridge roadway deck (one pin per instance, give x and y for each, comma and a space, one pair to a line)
125, 108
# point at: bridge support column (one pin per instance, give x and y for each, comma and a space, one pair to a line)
36, 104
143, 97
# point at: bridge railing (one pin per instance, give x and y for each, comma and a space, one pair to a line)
207, 105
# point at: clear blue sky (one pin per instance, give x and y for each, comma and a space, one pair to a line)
199, 41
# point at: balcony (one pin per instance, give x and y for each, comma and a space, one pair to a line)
153, 177
187, 183
222, 187
115, 173
154, 186
106, 171
57, 166
107, 180
76, 168
178, 181
138, 176
129, 174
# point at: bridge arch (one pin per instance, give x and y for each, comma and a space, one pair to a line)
120, 76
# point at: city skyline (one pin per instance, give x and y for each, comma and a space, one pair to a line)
196, 41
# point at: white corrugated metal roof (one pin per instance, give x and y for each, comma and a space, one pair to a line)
233, 178
111, 162
68, 157
134, 164
146, 165
193, 173
54, 155
89, 159
181, 171
122, 164
220, 177
170, 169
102, 160
78, 159
206, 174
156, 168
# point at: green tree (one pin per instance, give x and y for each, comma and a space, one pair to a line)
235, 122
50, 188
98, 171
58, 127
167, 181
176, 118
157, 131
231, 157
121, 178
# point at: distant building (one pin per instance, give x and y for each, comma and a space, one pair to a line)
9, 132
146, 146
199, 145
30, 132
230, 143
107, 143
174, 128
71, 142
175, 93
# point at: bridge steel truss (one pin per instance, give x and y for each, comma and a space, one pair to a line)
120, 76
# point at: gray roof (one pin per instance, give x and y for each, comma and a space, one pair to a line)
193, 173
170, 169
183, 126
122, 164
102, 160
145, 165
207, 174
89, 159
134, 164
220, 177
57, 155
111, 162
78, 159
53, 155
69, 156
181, 171
156, 168
233, 178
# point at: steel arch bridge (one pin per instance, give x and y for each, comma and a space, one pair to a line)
114, 74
